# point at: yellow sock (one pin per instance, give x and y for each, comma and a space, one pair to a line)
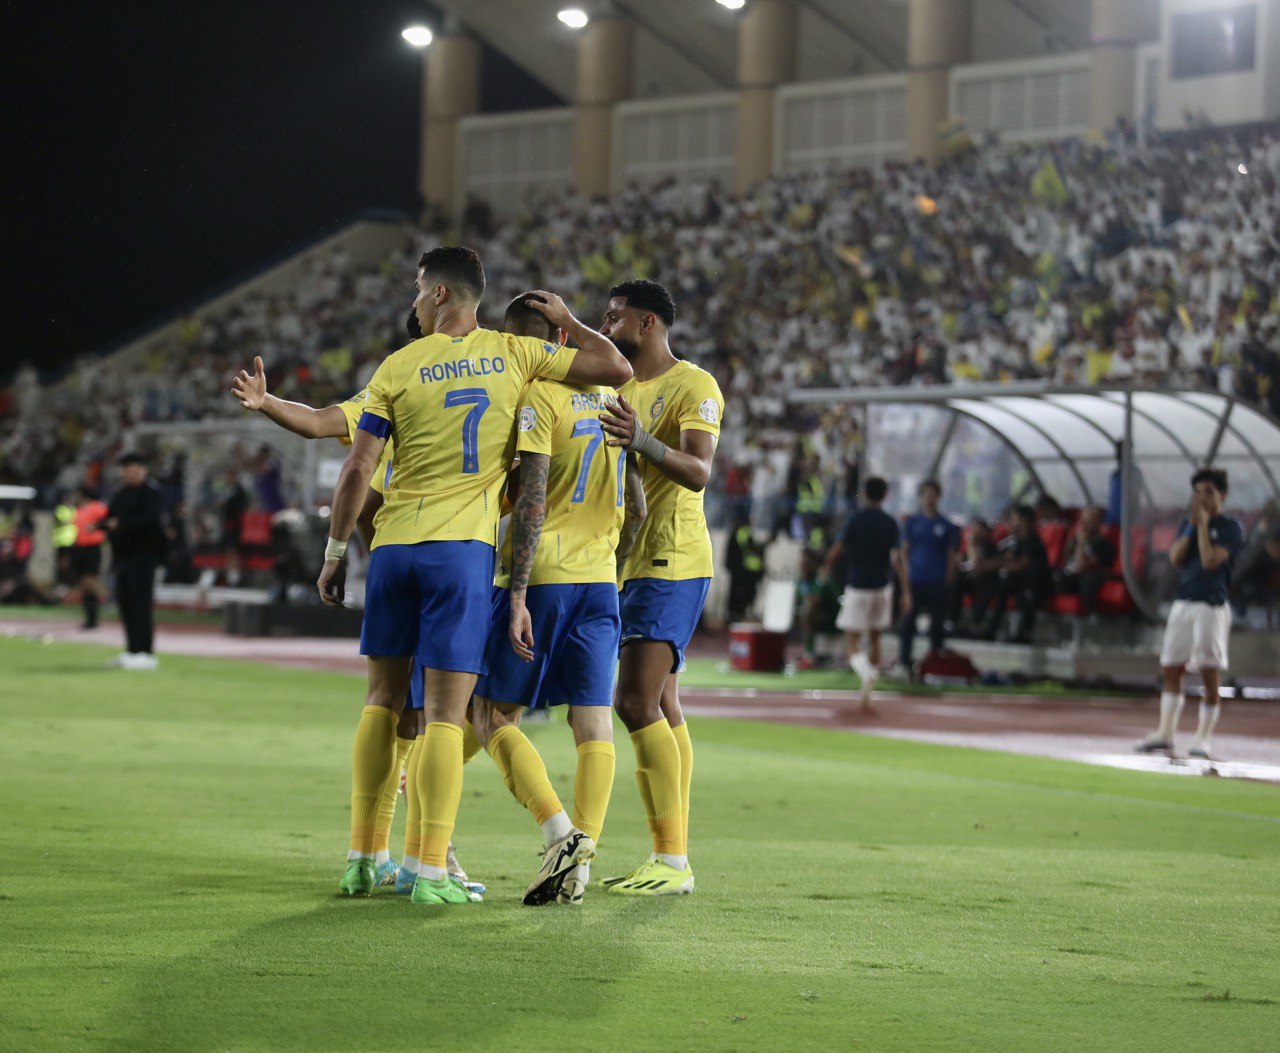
504, 769
439, 789
592, 786
372, 755
516, 755
412, 802
387, 802
658, 769
685, 746
470, 744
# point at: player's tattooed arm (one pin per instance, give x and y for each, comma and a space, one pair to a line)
526, 532
251, 389
635, 506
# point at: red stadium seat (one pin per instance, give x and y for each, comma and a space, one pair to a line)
256, 528
1162, 537
1054, 535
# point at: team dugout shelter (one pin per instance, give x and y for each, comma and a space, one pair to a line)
1128, 450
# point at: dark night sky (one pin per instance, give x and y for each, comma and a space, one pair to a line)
154, 151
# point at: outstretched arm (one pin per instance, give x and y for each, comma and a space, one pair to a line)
526, 532
310, 423
636, 507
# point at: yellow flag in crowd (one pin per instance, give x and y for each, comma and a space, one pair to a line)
1047, 186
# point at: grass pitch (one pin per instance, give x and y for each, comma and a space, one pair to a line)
171, 844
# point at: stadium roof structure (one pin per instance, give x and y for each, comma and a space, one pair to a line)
1066, 441
687, 47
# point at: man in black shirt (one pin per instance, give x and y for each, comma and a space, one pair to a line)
744, 561
1199, 625
868, 547
978, 574
1024, 574
137, 548
1090, 555
234, 507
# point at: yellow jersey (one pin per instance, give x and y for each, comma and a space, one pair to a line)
584, 485
353, 408
450, 403
674, 542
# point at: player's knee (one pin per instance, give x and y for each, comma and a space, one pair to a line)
637, 710
384, 695
591, 723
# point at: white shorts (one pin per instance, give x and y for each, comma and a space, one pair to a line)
864, 609
1196, 635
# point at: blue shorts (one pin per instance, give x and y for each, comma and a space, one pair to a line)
416, 687
575, 648
431, 601
667, 611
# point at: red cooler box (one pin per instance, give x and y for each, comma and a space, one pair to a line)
754, 649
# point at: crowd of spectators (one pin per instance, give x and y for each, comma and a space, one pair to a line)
1076, 262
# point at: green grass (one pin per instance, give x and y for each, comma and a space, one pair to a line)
170, 846
64, 612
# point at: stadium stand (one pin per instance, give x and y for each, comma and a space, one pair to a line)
1076, 262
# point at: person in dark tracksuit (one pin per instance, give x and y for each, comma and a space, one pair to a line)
931, 549
135, 524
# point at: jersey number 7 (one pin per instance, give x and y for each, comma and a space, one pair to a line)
478, 400
592, 432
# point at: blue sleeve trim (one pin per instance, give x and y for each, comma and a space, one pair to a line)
377, 426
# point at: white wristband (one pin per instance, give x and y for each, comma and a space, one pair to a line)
334, 549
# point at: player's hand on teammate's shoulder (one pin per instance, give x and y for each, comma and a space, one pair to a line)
618, 420
251, 389
331, 583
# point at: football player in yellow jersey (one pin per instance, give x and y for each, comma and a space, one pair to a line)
669, 416
555, 630
450, 401
339, 422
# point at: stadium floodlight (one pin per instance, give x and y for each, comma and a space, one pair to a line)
573, 17
418, 36
732, 5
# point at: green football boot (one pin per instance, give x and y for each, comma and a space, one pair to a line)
447, 891
360, 879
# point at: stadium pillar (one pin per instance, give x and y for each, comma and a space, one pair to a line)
605, 77
938, 36
1116, 30
451, 91
766, 59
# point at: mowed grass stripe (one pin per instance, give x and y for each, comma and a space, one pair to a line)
172, 841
